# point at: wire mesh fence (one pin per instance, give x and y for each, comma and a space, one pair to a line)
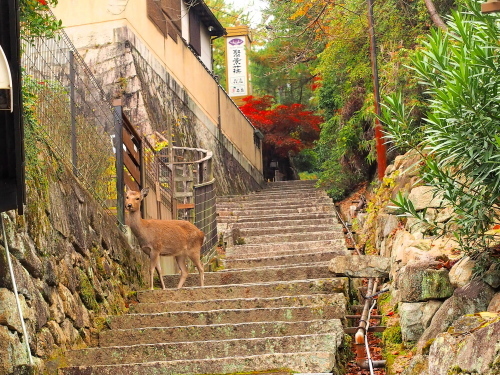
72, 114
76, 119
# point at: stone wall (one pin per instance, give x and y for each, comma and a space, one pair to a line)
72, 266
432, 284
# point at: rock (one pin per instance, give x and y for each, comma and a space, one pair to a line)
56, 307
418, 283
12, 351
444, 214
360, 266
461, 272
44, 343
9, 316
391, 223
416, 317
492, 277
444, 248
468, 345
494, 305
419, 365
425, 197
56, 332
472, 298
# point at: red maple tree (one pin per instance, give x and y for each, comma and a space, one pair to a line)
287, 129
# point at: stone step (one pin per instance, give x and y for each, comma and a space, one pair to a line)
227, 217
256, 231
302, 362
250, 290
262, 274
136, 336
327, 219
116, 355
300, 209
283, 260
284, 203
256, 250
237, 303
311, 182
292, 237
184, 318
269, 195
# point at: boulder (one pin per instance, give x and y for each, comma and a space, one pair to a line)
461, 272
425, 197
360, 266
12, 351
494, 305
419, 365
419, 283
416, 317
492, 277
470, 344
9, 316
470, 299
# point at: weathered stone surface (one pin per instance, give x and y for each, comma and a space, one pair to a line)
494, 305
425, 197
472, 298
418, 283
461, 272
12, 351
418, 366
9, 316
492, 277
416, 317
360, 266
470, 344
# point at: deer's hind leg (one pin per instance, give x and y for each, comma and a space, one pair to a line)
181, 262
155, 264
197, 262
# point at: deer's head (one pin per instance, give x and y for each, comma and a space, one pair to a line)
133, 199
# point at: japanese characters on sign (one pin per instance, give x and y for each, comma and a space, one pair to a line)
237, 66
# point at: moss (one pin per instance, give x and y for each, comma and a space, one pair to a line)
239, 241
393, 335
427, 346
86, 291
345, 355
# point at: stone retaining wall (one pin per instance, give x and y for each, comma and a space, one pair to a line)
73, 266
431, 280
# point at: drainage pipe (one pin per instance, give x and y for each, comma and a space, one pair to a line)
363, 359
14, 286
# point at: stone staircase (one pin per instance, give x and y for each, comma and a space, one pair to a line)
275, 308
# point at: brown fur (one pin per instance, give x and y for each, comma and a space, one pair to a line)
177, 238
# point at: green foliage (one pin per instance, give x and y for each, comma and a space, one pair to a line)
460, 144
346, 146
36, 21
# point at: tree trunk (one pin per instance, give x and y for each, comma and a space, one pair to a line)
435, 17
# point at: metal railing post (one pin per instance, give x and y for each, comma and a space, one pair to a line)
120, 205
72, 77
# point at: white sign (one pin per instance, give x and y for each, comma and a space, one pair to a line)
237, 66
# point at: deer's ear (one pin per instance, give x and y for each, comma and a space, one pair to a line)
127, 189
144, 192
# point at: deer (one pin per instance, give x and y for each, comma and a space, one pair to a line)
178, 238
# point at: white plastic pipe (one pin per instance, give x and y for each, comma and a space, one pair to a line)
14, 286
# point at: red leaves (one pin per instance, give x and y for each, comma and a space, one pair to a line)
285, 127
43, 2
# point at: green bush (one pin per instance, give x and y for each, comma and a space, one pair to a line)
459, 142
